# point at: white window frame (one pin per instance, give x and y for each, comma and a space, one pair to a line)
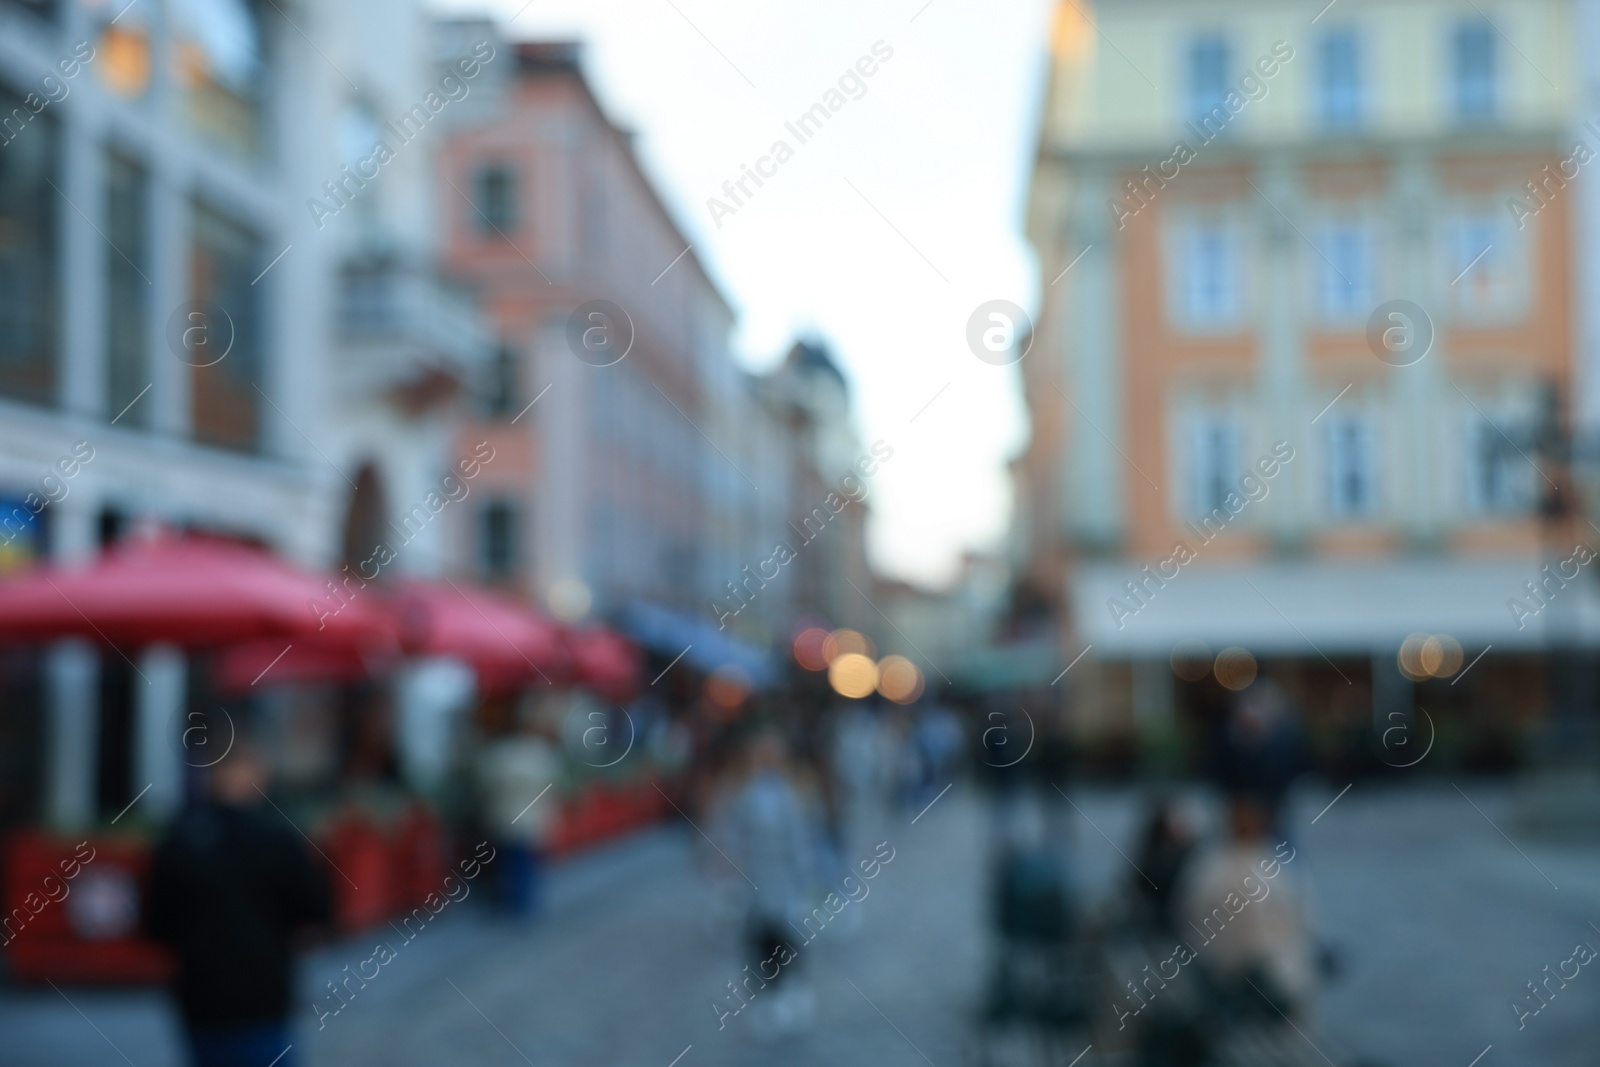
1212, 453
1482, 424
1359, 91
1228, 314
1359, 425
1495, 288
1346, 289
1452, 71
1195, 107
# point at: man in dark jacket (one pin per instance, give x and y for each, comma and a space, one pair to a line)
231, 884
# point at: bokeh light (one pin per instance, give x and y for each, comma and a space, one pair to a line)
1410, 657
899, 679
570, 599
809, 645
728, 686
1440, 656
1191, 660
845, 641
1235, 668
853, 675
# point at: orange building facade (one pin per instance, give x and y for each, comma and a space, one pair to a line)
1308, 295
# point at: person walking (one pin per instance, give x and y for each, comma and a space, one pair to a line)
518, 774
231, 884
772, 840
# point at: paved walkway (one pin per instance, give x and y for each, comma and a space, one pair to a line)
1438, 918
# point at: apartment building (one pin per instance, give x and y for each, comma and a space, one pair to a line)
642, 476
209, 322
1308, 293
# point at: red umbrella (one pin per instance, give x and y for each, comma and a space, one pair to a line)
189, 591
607, 662
505, 642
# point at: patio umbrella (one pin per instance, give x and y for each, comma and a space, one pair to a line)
188, 591
506, 643
606, 662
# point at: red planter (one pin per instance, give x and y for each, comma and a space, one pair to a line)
418, 858
362, 874
90, 931
601, 812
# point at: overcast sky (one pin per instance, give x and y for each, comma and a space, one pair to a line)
881, 235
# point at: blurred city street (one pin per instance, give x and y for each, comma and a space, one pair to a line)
1419, 896
679, 533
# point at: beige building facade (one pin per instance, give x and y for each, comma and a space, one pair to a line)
1308, 290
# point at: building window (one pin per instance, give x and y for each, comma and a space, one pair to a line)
122, 54
220, 67
1345, 272
500, 398
1339, 97
496, 198
225, 259
29, 213
1208, 83
1481, 251
45, 9
1208, 268
1500, 481
497, 540
1214, 462
1474, 71
357, 136
1351, 468
127, 291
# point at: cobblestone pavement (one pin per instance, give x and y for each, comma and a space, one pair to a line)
1436, 917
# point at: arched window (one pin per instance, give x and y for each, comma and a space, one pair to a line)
366, 520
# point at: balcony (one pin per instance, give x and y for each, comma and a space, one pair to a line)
406, 334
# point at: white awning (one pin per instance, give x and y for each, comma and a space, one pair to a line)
1356, 608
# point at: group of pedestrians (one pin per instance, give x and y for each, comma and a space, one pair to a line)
1223, 921
1227, 917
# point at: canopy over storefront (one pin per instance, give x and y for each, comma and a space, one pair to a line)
506, 643
273, 623
703, 646
605, 662
192, 592
1297, 608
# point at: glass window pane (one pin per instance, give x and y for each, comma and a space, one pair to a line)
501, 395
1475, 70
1346, 267
224, 259
1208, 81
1352, 488
29, 210
122, 50
45, 9
498, 546
1340, 80
217, 53
1214, 470
1209, 275
127, 291
497, 199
